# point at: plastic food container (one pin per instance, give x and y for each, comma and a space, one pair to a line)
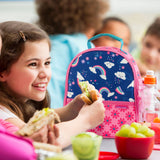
134, 148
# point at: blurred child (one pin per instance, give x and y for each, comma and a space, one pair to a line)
149, 56
69, 23
24, 75
117, 27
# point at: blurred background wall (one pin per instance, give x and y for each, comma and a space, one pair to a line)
137, 13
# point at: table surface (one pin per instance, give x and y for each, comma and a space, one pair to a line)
109, 146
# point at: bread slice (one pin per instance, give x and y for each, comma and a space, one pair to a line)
47, 147
86, 99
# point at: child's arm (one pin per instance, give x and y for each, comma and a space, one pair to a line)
89, 117
71, 110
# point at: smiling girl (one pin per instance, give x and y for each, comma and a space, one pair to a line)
24, 75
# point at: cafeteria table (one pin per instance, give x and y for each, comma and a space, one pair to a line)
109, 146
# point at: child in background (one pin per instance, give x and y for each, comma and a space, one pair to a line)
117, 27
148, 58
70, 24
24, 75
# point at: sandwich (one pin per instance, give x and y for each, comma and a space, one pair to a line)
47, 147
40, 118
89, 92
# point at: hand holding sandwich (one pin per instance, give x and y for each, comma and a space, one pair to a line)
93, 98
46, 135
93, 114
79, 117
41, 128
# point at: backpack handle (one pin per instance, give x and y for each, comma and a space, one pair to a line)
104, 34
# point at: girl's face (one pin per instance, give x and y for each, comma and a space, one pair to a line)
29, 76
150, 53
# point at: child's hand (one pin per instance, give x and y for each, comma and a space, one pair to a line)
46, 135
53, 134
41, 135
93, 114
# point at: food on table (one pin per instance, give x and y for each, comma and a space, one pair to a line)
134, 141
135, 130
133, 147
86, 146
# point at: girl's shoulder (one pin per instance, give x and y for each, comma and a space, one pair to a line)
6, 113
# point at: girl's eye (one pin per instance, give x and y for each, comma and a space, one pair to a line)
48, 63
33, 64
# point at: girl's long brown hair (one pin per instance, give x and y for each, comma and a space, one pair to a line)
14, 35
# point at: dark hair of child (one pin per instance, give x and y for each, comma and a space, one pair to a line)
70, 16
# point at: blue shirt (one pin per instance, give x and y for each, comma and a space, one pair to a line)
64, 48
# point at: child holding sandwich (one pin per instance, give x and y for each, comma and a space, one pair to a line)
11, 111
24, 75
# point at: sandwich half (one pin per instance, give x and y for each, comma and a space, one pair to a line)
40, 118
89, 92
